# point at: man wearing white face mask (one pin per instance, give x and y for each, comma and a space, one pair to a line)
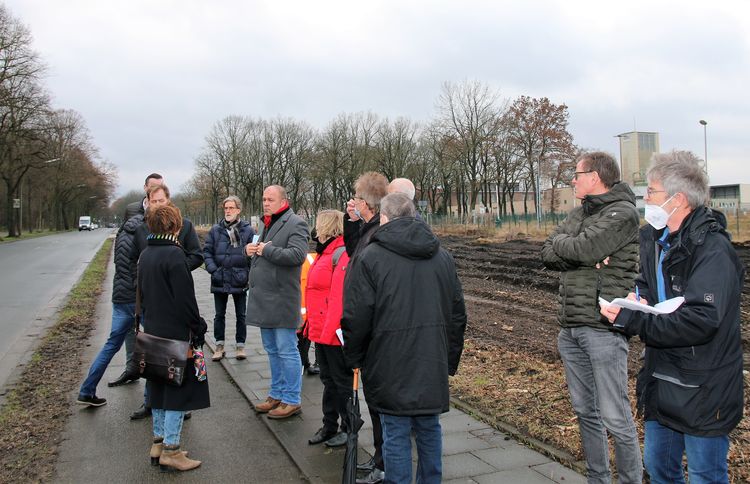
596, 251
690, 388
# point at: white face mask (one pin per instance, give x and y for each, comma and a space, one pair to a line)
656, 216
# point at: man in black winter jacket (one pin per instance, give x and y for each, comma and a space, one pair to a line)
139, 207
123, 311
361, 220
403, 323
690, 388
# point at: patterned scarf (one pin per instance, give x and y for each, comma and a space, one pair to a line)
170, 237
231, 228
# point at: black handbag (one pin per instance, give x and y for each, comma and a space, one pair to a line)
160, 360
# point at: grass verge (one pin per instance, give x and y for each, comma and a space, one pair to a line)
35, 411
31, 235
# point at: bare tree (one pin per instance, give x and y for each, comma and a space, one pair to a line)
470, 114
539, 130
396, 147
23, 103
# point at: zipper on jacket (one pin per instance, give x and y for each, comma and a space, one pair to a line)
671, 379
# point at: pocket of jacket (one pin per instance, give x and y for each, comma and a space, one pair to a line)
239, 277
680, 398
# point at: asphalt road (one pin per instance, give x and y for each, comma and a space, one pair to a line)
103, 445
35, 277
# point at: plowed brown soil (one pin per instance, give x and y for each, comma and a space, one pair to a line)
511, 369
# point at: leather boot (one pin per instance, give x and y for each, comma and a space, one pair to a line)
156, 450
219, 353
175, 460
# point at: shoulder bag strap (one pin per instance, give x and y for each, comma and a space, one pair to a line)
337, 255
137, 315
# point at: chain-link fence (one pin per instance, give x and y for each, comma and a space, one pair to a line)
492, 224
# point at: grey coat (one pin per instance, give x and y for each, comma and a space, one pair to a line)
274, 299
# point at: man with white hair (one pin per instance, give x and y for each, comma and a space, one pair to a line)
402, 185
690, 388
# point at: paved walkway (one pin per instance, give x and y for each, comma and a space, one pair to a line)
473, 452
102, 445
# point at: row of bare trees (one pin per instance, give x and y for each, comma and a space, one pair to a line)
48, 161
480, 150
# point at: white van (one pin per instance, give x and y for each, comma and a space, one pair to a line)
84, 223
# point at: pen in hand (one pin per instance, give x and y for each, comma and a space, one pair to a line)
637, 294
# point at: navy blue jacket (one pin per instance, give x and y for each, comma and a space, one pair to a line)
691, 381
227, 265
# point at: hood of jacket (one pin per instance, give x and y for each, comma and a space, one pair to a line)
697, 224
620, 192
407, 237
133, 223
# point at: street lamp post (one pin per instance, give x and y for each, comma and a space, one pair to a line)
705, 146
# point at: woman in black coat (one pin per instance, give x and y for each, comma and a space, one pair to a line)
170, 311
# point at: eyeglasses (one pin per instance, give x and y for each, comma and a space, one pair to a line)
650, 191
357, 197
575, 175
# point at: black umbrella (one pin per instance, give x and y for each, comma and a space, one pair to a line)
354, 423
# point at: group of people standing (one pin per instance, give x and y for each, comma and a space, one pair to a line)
690, 387
382, 296
379, 291
369, 304
154, 253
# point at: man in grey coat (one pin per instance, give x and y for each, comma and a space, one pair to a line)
275, 298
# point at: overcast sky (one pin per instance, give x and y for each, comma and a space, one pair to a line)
152, 77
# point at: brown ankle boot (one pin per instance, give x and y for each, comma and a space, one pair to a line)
156, 449
176, 460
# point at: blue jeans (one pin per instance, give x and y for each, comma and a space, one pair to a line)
596, 369
167, 425
706, 456
240, 309
286, 366
397, 448
122, 323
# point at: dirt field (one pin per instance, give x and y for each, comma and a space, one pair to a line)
511, 369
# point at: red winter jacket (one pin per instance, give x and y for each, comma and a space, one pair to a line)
324, 295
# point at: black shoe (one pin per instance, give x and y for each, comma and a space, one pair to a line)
123, 379
337, 440
321, 436
141, 413
187, 416
314, 370
92, 401
374, 477
367, 466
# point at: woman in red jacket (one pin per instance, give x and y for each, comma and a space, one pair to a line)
323, 297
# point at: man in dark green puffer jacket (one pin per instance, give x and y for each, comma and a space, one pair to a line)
596, 251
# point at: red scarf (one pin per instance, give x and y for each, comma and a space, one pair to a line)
267, 218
